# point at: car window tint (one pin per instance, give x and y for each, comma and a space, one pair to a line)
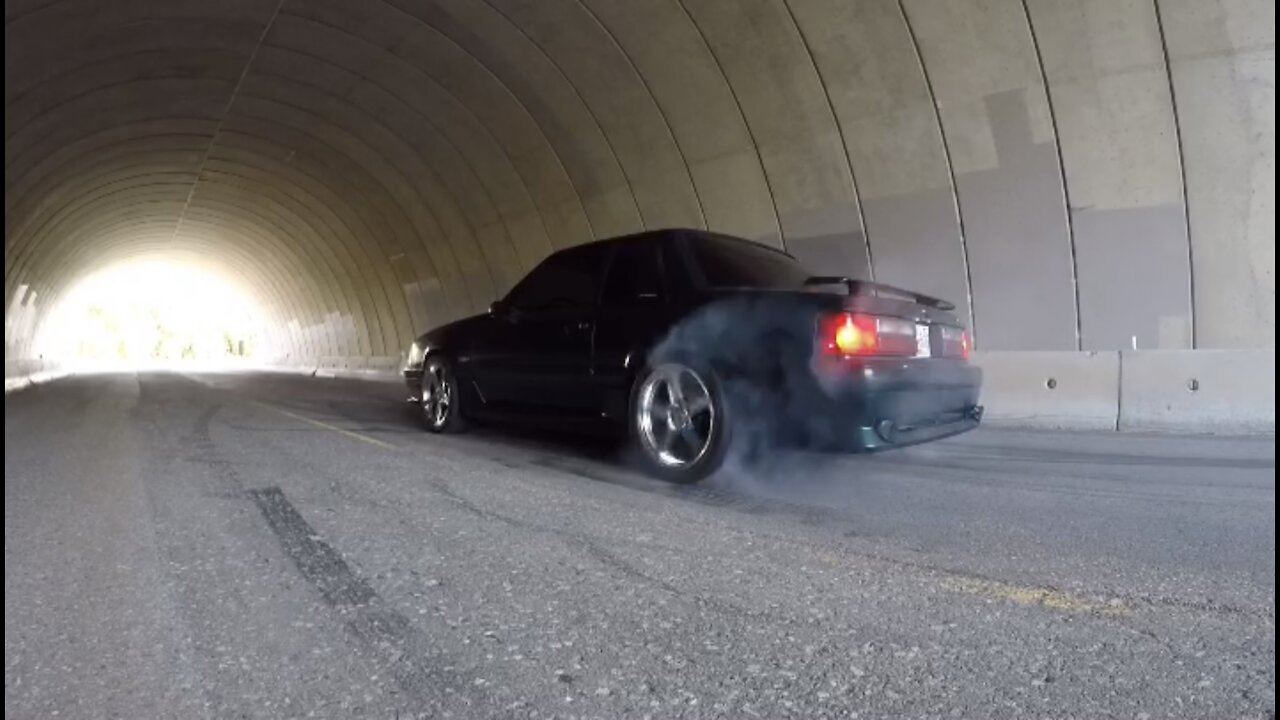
565, 281
635, 276
733, 263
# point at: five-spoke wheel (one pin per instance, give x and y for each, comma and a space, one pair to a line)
678, 422
440, 411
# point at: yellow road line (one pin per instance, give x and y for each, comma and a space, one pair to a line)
327, 426
1027, 595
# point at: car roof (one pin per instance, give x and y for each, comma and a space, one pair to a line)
671, 232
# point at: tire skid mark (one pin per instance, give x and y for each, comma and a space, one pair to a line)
385, 633
413, 660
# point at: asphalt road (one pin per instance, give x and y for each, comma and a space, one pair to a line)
270, 546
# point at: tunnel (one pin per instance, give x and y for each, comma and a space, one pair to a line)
1091, 183
1076, 177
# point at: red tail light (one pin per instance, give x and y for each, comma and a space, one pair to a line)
955, 342
860, 334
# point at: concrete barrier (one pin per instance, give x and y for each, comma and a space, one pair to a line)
1051, 390
19, 373
1198, 391
1214, 391
387, 363
369, 367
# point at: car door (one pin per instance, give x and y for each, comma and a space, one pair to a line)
535, 353
635, 311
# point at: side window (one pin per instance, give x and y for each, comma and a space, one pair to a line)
635, 277
569, 280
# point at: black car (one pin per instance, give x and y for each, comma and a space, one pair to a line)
693, 343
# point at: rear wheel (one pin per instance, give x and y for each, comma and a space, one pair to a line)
679, 422
441, 401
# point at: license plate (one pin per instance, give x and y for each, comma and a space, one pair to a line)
922, 341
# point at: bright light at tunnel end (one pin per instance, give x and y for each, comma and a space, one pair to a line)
153, 314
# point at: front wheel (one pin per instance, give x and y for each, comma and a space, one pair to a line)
441, 400
679, 422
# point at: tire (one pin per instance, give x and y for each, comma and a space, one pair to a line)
680, 439
440, 384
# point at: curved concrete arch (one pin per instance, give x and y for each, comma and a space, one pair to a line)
234, 259
231, 264
618, 101
236, 263
255, 229
677, 68
49, 172
338, 203
80, 220
882, 101
18, 258
440, 211
764, 58
1002, 153
471, 193
472, 85
509, 55
350, 297
303, 213
320, 201
387, 221
29, 165
483, 156
65, 269
369, 170
305, 299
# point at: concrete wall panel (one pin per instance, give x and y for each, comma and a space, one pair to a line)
1107, 77
878, 92
610, 86
676, 65
1223, 63
984, 71
764, 56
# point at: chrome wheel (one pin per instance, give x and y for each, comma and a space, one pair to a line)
675, 416
437, 395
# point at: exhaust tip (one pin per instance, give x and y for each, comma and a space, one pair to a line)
885, 429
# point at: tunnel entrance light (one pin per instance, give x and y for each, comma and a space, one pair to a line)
151, 313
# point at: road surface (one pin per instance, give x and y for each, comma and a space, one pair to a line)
269, 545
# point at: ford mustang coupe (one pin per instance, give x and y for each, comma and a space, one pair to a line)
691, 344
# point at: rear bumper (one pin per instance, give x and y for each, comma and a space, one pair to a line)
878, 404
889, 434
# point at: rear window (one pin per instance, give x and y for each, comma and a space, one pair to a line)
731, 263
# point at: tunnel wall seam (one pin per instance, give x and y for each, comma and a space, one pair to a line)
1182, 172
951, 171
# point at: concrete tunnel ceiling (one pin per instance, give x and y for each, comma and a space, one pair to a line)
1072, 174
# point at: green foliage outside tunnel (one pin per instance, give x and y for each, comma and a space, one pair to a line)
134, 332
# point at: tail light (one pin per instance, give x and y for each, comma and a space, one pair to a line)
846, 333
850, 334
955, 342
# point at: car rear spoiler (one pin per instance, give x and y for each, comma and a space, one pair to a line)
866, 287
